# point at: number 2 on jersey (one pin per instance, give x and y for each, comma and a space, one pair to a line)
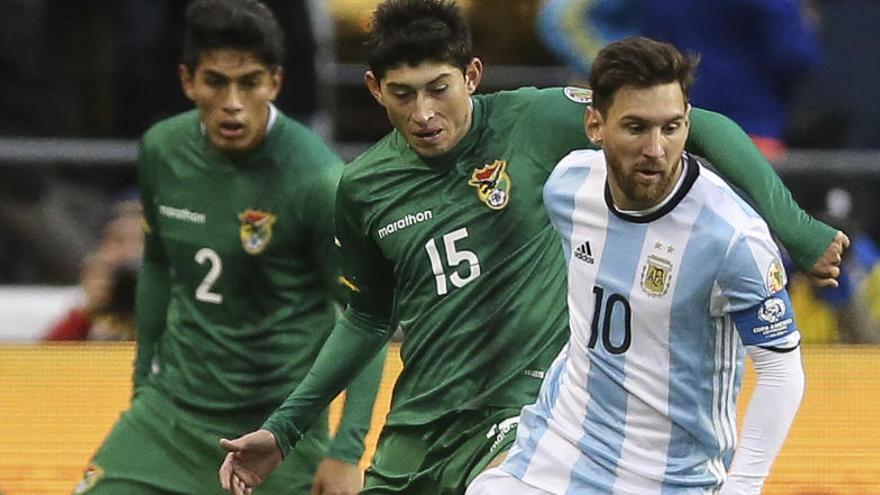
454, 258
203, 291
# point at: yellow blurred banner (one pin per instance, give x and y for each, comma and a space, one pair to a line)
58, 401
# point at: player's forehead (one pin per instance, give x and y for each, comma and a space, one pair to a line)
659, 103
231, 63
417, 76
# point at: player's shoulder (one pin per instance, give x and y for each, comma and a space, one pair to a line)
727, 209
385, 153
539, 98
582, 158
300, 143
715, 193
173, 129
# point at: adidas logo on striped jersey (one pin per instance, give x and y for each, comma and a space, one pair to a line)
584, 253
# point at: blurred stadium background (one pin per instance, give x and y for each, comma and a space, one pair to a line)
80, 81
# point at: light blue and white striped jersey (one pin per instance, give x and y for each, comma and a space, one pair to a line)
642, 399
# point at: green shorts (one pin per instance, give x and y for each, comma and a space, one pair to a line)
155, 449
441, 457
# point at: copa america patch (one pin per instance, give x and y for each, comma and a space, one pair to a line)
578, 95
768, 322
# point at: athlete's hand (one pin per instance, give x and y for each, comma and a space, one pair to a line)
250, 459
825, 272
335, 477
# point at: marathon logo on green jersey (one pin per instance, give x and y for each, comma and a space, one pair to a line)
183, 214
493, 184
256, 230
407, 221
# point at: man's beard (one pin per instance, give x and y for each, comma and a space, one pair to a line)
644, 195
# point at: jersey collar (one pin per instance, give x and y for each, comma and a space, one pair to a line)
682, 187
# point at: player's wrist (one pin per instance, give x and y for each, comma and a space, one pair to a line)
286, 435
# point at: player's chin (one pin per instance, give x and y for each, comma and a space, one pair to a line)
232, 146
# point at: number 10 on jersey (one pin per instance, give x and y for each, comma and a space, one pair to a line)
454, 258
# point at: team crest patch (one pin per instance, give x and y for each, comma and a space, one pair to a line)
656, 275
256, 230
775, 279
578, 95
493, 184
91, 477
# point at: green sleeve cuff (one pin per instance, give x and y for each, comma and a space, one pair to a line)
732, 152
352, 345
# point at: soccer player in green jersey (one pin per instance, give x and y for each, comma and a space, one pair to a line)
236, 294
444, 235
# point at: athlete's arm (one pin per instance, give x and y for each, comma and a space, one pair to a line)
348, 444
752, 290
724, 143
153, 283
771, 410
357, 337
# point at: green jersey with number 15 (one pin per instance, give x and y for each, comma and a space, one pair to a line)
463, 247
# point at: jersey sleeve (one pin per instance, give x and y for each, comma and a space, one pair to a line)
752, 291
320, 217
724, 143
553, 123
360, 396
368, 275
153, 283
357, 337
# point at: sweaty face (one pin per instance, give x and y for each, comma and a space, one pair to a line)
429, 104
643, 135
232, 90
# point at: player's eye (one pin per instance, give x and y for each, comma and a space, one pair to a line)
672, 127
439, 89
214, 81
250, 82
635, 128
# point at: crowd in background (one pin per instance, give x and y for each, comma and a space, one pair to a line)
104, 69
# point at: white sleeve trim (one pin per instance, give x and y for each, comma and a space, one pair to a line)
771, 410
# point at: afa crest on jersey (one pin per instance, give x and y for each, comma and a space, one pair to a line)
91, 477
656, 274
255, 230
493, 184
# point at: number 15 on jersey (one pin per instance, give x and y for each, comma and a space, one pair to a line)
454, 259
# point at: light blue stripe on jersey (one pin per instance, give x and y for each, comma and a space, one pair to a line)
740, 266
559, 202
606, 414
534, 424
690, 411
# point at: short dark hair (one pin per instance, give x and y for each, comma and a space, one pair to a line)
641, 62
245, 25
416, 31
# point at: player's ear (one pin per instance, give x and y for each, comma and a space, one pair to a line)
473, 73
187, 80
593, 125
276, 76
373, 85
687, 114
